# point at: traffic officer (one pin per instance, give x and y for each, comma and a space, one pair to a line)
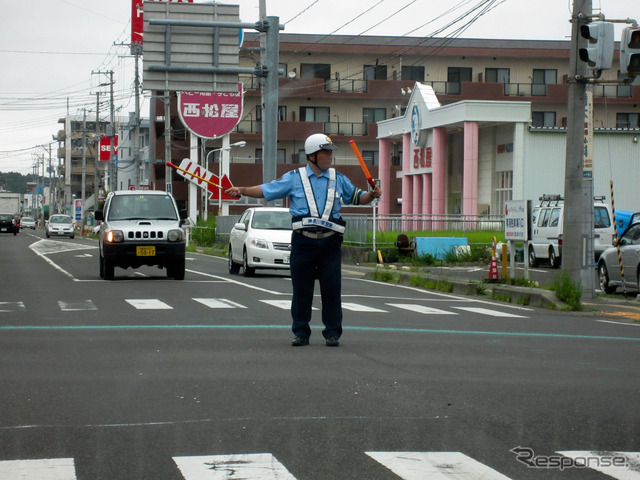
316, 193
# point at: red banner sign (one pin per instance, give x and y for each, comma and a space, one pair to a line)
105, 148
137, 18
209, 114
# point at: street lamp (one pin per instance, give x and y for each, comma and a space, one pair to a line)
222, 168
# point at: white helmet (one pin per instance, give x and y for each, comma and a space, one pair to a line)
317, 142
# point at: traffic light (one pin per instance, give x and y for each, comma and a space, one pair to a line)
630, 51
598, 53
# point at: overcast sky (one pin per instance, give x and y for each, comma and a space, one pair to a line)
52, 51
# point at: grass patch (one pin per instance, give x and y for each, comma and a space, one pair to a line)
568, 291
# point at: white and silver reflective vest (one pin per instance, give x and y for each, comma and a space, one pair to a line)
315, 220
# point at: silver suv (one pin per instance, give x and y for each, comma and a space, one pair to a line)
141, 227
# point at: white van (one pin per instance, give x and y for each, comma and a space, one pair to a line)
547, 221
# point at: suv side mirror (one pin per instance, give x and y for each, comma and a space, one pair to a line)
183, 214
99, 215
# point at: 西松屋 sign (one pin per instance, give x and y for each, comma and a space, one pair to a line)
210, 115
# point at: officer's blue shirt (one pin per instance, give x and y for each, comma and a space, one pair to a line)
290, 185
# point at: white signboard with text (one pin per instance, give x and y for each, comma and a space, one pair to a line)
516, 220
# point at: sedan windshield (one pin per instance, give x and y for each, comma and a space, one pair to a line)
271, 220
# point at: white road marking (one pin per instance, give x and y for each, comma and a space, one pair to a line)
435, 466
11, 307
41, 469
492, 313
76, 306
356, 307
148, 304
283, 304
218, 303
421, 309
256, 466
619, 465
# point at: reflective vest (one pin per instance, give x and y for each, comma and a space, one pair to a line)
314, 219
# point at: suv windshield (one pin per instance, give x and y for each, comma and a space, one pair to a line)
149, 207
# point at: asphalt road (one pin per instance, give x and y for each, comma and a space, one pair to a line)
146, 377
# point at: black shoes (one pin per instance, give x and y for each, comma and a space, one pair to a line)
299, 341
302, 341
333, 342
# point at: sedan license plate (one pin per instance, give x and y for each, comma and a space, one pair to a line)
145, 251
285, 259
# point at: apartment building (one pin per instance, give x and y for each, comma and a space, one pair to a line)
363, 88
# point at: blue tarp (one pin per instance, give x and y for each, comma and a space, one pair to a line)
438, 247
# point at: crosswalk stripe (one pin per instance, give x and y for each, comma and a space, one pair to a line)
11, 306
435, 466
218, 303
283, 304
76, 306
148, 304
619, 465
256, 466
492, 313
356, 307
421, 309
40, 469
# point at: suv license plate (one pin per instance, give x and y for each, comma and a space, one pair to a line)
145, 251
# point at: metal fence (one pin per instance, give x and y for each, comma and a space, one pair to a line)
360, 227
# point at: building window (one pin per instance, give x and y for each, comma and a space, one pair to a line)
314, 114
504, 192
370, 157
280, 154
412, 72
373, 115
628, 120
496, 75
542, 78
375, 72
315, 70
455, 77
543, 119
282, 113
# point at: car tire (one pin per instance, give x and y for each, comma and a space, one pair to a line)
176, 269
247, 270
533, 260
234, 268
48, 235
71, 236
101, 262
554, 261
603, 279
109, 269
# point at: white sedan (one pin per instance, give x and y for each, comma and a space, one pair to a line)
260, 239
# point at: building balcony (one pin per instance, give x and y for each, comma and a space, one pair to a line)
288, 130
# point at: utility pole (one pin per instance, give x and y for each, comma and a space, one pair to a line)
83, 187
577, 251
136, 132
113, 171
97, 175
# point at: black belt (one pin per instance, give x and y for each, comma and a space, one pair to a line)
317, 234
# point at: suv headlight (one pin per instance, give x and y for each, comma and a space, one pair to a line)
114, 236
175, 235
260, 243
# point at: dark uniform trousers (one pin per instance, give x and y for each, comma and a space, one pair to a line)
319, 258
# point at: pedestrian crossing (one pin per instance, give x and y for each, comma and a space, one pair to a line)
406, 465
214, 303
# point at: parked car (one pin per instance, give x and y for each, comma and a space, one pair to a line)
141, 227
8, 224
260, 239
28, 222
547, 223
609, 274
60, 225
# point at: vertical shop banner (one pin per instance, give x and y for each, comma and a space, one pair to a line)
105, 148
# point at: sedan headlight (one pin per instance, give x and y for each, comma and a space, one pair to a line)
175, 235
260, 243
114, 236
